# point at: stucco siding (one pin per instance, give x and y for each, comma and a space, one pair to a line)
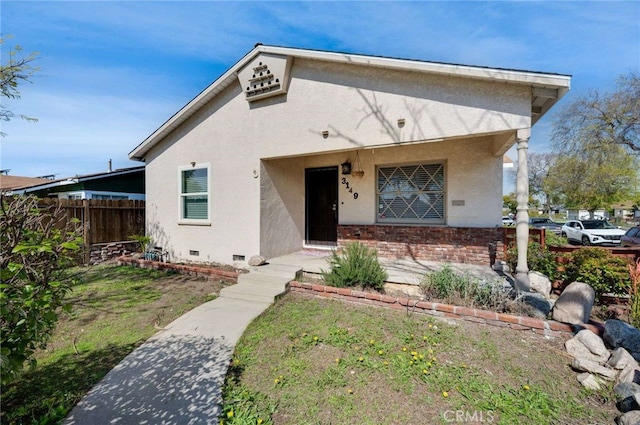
361, 107
258, 152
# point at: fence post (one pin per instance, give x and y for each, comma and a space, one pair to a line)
86, 236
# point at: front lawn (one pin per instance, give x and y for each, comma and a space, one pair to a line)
310, 361
114, 311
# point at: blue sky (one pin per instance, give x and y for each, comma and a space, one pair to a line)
112, 72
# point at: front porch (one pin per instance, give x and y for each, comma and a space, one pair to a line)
402, 271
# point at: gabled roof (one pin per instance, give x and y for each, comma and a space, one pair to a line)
47, 184
547, 88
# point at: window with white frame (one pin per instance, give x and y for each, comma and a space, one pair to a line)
411, 194
194, 194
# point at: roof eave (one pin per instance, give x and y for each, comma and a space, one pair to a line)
557, 82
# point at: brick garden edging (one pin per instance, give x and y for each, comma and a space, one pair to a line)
549, 328
194, 270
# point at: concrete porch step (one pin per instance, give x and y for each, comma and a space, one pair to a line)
254, 291
265, 278
277, 269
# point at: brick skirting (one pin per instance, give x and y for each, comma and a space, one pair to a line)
471, 245
194, 270
548, 328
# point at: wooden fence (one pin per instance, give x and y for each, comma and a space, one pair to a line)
535, 235
102, 220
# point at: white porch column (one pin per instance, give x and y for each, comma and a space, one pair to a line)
522, 283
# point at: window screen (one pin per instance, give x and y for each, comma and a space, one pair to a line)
195, 194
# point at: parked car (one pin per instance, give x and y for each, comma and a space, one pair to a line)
592, 232
631, 238
545, 223
507, 221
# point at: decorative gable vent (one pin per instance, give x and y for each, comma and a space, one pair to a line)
266, 75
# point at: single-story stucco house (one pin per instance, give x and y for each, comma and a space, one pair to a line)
292, 149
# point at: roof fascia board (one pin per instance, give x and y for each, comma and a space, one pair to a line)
494, 74
137, 154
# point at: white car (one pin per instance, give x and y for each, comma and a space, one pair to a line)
591, 232
507, 221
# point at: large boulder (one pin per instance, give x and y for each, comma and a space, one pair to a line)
540, 283
628, 366
583, 365
574, 304
627, 394
632, 417
620, 334
590, 381
257, 260
539, 305
593, 342
578, 350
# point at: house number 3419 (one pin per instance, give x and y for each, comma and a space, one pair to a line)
348, 188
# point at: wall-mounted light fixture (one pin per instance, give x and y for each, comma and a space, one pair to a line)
193, 163
401, 122
346, 167
325, 134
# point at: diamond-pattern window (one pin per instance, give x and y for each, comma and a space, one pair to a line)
411, 194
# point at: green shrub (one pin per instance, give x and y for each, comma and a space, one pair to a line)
539, 259
553, 239
600, 269
356, 265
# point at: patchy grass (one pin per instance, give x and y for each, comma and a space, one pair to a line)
309, 361
114, 311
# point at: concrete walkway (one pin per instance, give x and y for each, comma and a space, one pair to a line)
176, 376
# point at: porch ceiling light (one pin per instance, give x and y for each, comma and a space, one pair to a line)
346, 167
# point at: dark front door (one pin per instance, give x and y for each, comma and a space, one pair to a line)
321, 206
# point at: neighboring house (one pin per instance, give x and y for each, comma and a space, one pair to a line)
124, 183
624, 211
292, 149
8, 183
575, 214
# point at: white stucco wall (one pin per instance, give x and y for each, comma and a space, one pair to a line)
257, 203
473, 175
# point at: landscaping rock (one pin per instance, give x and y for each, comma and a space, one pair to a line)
620, 334
627, 393
594, 343
584, 365
629, 374
630, 418
589, 381
574, 304
621, 359
539, 304
257, 260
540, 283
579, 351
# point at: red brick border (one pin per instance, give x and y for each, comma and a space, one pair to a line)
549, 328
181, 268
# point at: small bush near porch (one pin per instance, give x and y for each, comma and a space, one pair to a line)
355, 265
